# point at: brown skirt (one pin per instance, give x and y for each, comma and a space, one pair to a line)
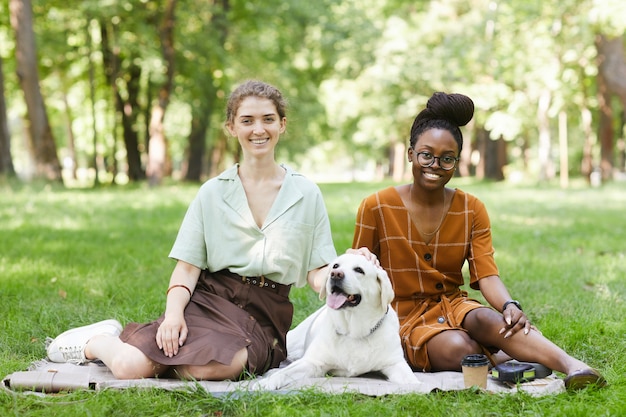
224, 315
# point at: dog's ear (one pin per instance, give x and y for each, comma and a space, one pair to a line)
323, 289
386, 290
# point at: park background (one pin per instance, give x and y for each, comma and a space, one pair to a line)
116, 91
111, 114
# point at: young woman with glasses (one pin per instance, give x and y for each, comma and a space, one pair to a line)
423, 233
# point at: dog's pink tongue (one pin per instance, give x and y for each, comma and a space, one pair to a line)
335, 301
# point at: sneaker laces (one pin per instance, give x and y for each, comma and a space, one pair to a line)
73, 354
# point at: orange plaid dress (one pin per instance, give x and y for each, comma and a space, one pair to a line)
427, 277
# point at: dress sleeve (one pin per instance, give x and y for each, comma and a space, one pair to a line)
481, 254
190, 245
323, 249
366, 230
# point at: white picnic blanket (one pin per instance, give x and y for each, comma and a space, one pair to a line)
48, 377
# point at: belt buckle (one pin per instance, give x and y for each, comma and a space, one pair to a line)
261, 280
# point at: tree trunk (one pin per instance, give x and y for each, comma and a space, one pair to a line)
201, 118
200, 123
586, 165
546, 169
464, 166
612, 65
41, 139
563, 151
398, 158
157, 146
217, 156
92, 99
606, 133
482, 136
197, 146
71, 142
6, 160
495, 158
621, 144
128, 110
611, 80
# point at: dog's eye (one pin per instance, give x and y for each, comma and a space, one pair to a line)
359, 270
335, 266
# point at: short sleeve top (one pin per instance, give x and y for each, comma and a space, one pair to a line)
418, 269
219, 232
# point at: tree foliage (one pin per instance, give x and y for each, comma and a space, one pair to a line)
548, 91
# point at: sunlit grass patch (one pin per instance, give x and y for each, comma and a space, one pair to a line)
71, 257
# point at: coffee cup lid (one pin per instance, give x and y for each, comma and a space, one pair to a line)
475, 360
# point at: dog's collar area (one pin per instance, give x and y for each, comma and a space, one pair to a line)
373, 329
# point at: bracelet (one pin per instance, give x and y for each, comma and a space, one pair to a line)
514, 302
178, 285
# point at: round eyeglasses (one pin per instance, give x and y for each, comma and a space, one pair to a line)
446, 162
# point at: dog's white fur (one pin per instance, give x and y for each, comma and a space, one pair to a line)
351, 340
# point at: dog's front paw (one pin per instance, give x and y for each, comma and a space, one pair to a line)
268, 383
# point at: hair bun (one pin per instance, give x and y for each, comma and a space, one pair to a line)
456, 108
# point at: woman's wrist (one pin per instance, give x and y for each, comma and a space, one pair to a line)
178, 286
514, 302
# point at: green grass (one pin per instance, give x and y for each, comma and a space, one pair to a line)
71, 257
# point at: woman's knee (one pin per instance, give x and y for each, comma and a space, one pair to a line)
124, 366
211, 372
215, 371
481, 320
447, 349
460, 344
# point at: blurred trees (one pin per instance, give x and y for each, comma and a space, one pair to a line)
136, 87
6, 159
42, 144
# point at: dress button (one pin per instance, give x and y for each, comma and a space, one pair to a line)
428, 256
441, 320
439, 286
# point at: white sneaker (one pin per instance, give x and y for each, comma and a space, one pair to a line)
69, 346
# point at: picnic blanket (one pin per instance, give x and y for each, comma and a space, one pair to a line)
47, 377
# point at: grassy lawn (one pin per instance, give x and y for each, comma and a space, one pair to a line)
72, 257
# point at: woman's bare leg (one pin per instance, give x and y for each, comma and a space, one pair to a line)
447, 349
125, 361
215, 371
483, 325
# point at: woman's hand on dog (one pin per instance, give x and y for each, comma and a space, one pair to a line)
363, 251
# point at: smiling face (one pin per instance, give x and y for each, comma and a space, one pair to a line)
257, 126
437, 142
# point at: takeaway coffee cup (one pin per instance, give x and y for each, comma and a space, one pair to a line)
475, 370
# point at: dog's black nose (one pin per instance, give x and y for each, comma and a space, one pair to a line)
336, 274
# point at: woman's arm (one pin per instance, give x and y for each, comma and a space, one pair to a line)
317, 278
496, 294
173, 331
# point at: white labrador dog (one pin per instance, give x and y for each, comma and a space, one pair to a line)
356, 332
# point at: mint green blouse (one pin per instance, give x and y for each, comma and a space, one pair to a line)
218, 231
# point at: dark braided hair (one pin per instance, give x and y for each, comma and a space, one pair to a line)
444, 111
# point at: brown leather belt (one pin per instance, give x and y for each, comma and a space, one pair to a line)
262, 282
